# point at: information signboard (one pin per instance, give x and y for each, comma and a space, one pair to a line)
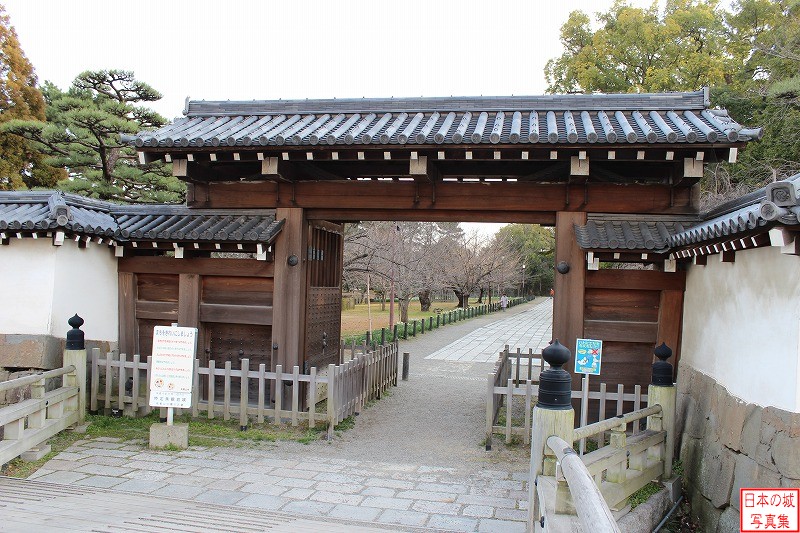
172, 366
588, 353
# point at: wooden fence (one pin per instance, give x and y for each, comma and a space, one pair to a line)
28, 423
251, 394
515, 379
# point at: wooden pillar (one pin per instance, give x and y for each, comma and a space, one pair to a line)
670, 318
289, 296
189, 306
569, 287
128, 337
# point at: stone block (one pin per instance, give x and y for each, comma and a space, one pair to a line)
748, 473
716, 473
30, 351
728, 521
786, 454
162, 435
674, 488
733, 413
704, 512
783, 421
79, 428
790, 483
691, 455
696, 422
34, 454
751, 431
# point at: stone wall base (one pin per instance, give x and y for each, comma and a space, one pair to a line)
727, 444
39, 352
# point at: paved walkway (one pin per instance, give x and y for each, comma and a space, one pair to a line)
414, 460
531, 329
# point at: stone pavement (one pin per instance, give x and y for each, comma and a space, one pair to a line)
308, 484
414, 460
531, 329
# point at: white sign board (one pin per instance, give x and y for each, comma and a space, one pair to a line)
172, 367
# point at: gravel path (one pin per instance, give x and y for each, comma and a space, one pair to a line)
437, 417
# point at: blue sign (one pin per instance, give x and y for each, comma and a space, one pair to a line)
588, 353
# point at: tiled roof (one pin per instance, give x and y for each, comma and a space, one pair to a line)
49, 210
777, 203
628, 233
556, 119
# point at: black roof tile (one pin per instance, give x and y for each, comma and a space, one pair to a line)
553, 119
52, 210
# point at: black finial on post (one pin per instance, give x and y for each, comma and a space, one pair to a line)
555, 383
75, 335
662, 370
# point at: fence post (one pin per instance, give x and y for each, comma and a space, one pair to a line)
383, 336
406, 356
75, 355
662, 391
553, 415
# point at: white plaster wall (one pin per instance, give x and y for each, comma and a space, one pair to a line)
86, 283
26, 286
42, 286
741, 325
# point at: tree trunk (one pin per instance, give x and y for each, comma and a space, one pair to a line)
480, 296
403, 304
425, 300
463, 299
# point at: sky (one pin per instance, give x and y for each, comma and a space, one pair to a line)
245, 50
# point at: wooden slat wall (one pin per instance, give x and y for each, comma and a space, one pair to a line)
631, 311
231, 305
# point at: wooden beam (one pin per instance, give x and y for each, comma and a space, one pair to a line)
427, 215
479, 197
622, 331
148, 310
198, 265
260, 315
423, 168
649, 280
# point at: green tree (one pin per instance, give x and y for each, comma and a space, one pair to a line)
748, 55
21, 164
535, 245
82, 135
641, 50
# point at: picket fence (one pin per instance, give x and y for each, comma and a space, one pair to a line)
277, 398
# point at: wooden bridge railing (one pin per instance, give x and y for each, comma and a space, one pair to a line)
615, 472
252, 393
29, 423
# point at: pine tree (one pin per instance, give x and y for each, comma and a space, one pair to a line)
21, 165
82, 135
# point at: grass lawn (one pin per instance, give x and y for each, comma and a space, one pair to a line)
356, 320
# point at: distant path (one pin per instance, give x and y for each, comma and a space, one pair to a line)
529, 329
